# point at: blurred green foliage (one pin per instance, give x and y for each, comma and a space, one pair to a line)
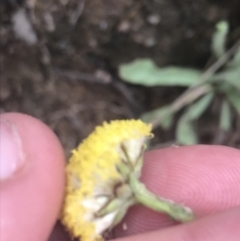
222, 78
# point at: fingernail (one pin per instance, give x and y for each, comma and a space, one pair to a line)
11, 154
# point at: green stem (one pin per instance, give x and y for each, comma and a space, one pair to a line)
150, 200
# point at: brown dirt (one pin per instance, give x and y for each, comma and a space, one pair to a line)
69, 77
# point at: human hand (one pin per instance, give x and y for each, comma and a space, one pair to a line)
32, 178
206, 178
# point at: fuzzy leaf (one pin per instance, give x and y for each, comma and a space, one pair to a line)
230, 76
235, 62
234, 99
219, 39
185, 132
146, 72
225, 117
197, 109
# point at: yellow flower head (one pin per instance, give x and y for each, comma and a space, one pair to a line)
97, 196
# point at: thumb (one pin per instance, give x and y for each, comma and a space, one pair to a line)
32, 178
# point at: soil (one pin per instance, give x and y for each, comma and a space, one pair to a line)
67, 74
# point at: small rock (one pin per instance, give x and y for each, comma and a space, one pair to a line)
154, 19
23, 27
124, 26
149, 42
64, 2
93, 43
49, 22
103, 75
103, 25
4, 93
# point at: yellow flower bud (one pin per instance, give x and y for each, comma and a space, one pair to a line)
97, 192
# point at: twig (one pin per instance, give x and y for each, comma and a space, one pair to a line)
217, 65
128, 95
200, 87
79, 76
183, 100
77, 13
45, 55
190, 97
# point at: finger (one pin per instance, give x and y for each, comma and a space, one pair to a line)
223, 226
32, 178
205, 178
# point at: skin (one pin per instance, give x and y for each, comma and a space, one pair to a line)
206, 178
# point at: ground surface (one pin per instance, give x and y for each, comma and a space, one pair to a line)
67, 75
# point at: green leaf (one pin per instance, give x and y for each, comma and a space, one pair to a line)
197, 109
234, 99
185, 132
235, 62
225, 116
230, 76
219, 39
146, 72
164, 114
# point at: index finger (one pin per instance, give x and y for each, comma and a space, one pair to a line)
205, 178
